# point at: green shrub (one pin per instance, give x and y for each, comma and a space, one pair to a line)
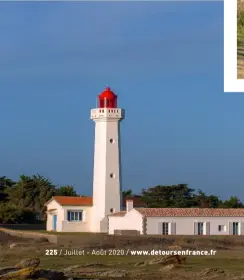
10, 213
240, 28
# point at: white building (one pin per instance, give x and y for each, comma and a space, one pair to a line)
106, 173
74, 214
65, 215
178, 221
102, 212
69, 214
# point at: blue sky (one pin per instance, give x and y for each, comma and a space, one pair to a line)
164, 60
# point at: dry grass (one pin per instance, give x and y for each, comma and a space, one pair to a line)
240, 58
229, 257
230, 261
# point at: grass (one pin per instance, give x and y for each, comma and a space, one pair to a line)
63, 233
223, 259
231, 260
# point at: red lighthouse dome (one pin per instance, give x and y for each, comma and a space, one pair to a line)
107, 99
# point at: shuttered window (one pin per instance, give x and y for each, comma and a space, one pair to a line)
235, 228
200, 228
165, 228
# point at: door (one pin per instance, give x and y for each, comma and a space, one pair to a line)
235, 228
55, 222
200, 229
165, 228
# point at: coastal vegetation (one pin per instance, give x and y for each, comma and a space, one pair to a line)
23, 200
240, 22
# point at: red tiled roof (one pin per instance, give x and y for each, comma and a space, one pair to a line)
74, 200
137, 202
85, 200
191, 212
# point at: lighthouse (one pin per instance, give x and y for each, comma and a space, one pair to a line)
106, 172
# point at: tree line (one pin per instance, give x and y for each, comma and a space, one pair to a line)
181, 196
23, 201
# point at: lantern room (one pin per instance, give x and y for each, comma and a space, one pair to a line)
107, 99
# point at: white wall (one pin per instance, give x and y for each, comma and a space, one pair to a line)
131, 221
106, 190
77, 226
185, 225
63, 225
60, 215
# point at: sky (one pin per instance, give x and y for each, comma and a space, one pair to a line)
164, 61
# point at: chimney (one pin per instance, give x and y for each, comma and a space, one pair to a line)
129, 205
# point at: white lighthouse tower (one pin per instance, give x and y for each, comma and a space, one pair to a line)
106, 176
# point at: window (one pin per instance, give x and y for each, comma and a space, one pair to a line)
235, 228
222, 228
165, 228
75, 216
200, 228
111, 141
101, 104
112, 175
